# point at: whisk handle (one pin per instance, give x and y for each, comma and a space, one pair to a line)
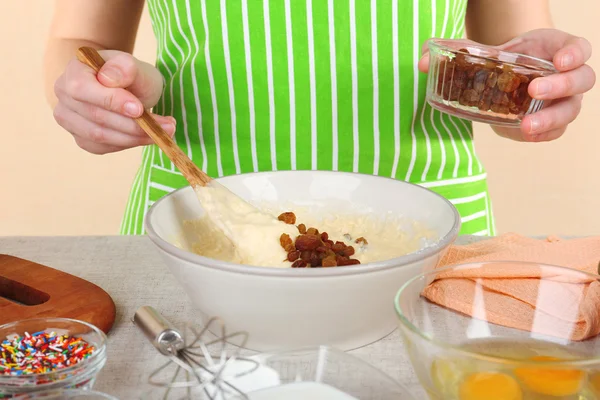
161, 333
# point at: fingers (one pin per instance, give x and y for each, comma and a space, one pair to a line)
424, 63
575, 53
97, 109
571, 83
547, 136
122, 70
87, 132
116, 121
546, 123
96, 148
80, 83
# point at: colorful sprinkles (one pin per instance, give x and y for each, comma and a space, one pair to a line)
41, 352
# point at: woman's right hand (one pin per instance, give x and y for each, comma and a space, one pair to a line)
97, 109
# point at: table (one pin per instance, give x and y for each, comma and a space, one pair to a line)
130, 270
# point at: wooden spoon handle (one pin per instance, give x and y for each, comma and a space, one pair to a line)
190, 171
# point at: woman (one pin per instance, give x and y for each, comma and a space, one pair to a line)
279, 85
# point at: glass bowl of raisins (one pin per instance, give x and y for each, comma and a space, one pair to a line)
482, 83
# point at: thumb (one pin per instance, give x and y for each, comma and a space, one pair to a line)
122, 70
514, 45
424, 63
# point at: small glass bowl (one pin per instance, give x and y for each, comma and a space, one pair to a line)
481, 83
456, 356
78, 376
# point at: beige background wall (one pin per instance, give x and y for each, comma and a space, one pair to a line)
50, 187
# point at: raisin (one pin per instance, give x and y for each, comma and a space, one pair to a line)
459, 79
499, 108
328, 244
288, 217
322, 249
472, 72
479, 81
469, 84
305, 255
315, 260
312, 231
353, 262
469, 97
328, 253
308, 242
338, 247
486, 99
302, 229
329, 261
491, 65
499, 98
523, 78
513, 108
451, 92
290, 247
492, 79
508, 81
299, 264
348, 251
293, 256
341, 260
285, 240
324, 236
519, 95
361, 240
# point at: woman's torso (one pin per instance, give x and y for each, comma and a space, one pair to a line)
303, 84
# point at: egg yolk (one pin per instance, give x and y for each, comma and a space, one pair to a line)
595, 382
551, 382
490, 386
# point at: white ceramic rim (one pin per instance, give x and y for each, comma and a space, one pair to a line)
199, 260
405, 321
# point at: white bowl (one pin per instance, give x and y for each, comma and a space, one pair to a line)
281, 308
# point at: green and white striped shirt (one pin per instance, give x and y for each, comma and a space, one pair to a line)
265, 85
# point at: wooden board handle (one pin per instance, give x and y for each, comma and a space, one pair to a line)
194, 175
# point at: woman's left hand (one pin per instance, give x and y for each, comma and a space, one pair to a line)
569, 55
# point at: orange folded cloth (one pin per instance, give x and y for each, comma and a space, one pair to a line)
561, 305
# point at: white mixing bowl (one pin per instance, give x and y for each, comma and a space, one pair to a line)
281, 308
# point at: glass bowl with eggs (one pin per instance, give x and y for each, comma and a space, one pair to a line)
503, 330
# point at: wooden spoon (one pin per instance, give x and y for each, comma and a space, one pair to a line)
194, 175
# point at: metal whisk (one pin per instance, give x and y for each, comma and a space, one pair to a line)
190, 354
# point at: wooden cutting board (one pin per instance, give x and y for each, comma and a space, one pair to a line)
31, 290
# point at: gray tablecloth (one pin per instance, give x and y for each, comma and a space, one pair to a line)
129, 269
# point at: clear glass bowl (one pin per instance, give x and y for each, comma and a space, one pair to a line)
326, 368
482, 83
78, 376
309, 374
457, 357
